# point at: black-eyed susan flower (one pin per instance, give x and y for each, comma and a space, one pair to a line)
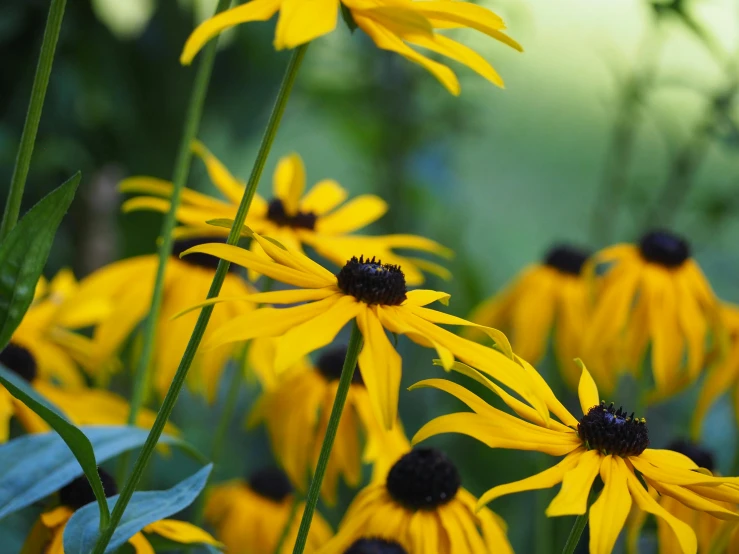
81, 405
394, 25
250, 516
421, 506
46, 536
296, 415
375, 546
372, 294
545, 298
126, 287
723, 376
652, 295
319, 218
605, 441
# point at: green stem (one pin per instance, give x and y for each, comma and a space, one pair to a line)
33, 116
314, 491
580, 522
215, 288
288, 524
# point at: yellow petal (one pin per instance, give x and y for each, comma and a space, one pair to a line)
181, 532
231, 187
255, 10
140, 544
323, 197
159, 187
355, 214
572, 498
289, 178
304, 20
694, 500
587, 390
294, 258
608, 514
424, 297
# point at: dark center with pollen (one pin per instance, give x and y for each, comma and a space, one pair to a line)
20, 361
664, 248
375, 546
271, 483
372, 282
331, 362
302, 220
611, 431
567, 259
701, 457
199, 259
78, 493
423, 479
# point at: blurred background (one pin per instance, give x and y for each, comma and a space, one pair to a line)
619, 115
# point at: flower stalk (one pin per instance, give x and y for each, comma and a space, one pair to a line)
197, 335
314, 491
579, 526
33, 116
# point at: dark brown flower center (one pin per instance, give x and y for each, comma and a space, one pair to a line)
20, 361
331, 363
302, 220
611, 431
79, 493
271, 483
567, 259
375, 546
423, 479
372, 282
701, 456
664, 248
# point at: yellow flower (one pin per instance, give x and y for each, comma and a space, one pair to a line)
545, 298
724, 375
652, 294
710, 531
393, 25
605, 442
296, 414
319, 218
127, 285
251, 517
420, 505
367, 291
46, 535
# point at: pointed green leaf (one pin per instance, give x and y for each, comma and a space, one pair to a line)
81, 531
75, 439
23, 255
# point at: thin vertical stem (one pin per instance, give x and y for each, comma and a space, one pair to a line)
314, 491
33, 116
575, 533
215, 288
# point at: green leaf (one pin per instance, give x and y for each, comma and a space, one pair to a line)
36, 466
75, 439
81, 531
23, 255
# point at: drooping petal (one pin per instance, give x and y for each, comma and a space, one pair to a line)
304, 20
181, 532
289, 177
140, 544
422, 297
608, 514
572, 498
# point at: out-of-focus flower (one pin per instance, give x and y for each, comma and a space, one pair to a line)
319, 218
606, 442
46, 535
653, 294
393, 25
366, 291
250, 517
126, 287
421, 506
296, 414
550, 297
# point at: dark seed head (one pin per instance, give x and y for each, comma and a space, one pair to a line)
664, 248
199, 259
271, 483
375, 546
372, 282
331, 362
423, 479
701, 456
20, 361
611, 431
276, 214
78, 493
567, 259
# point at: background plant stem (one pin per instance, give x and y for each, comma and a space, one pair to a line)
288, 524
197, 335
314, 491
33, 116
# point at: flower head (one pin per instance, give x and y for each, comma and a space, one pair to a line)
249, 516
319, 218
604, 441
394, 25
549, 297
46, 537
365, 291
419, 507
653, 294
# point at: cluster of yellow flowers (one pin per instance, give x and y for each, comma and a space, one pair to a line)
610, 308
